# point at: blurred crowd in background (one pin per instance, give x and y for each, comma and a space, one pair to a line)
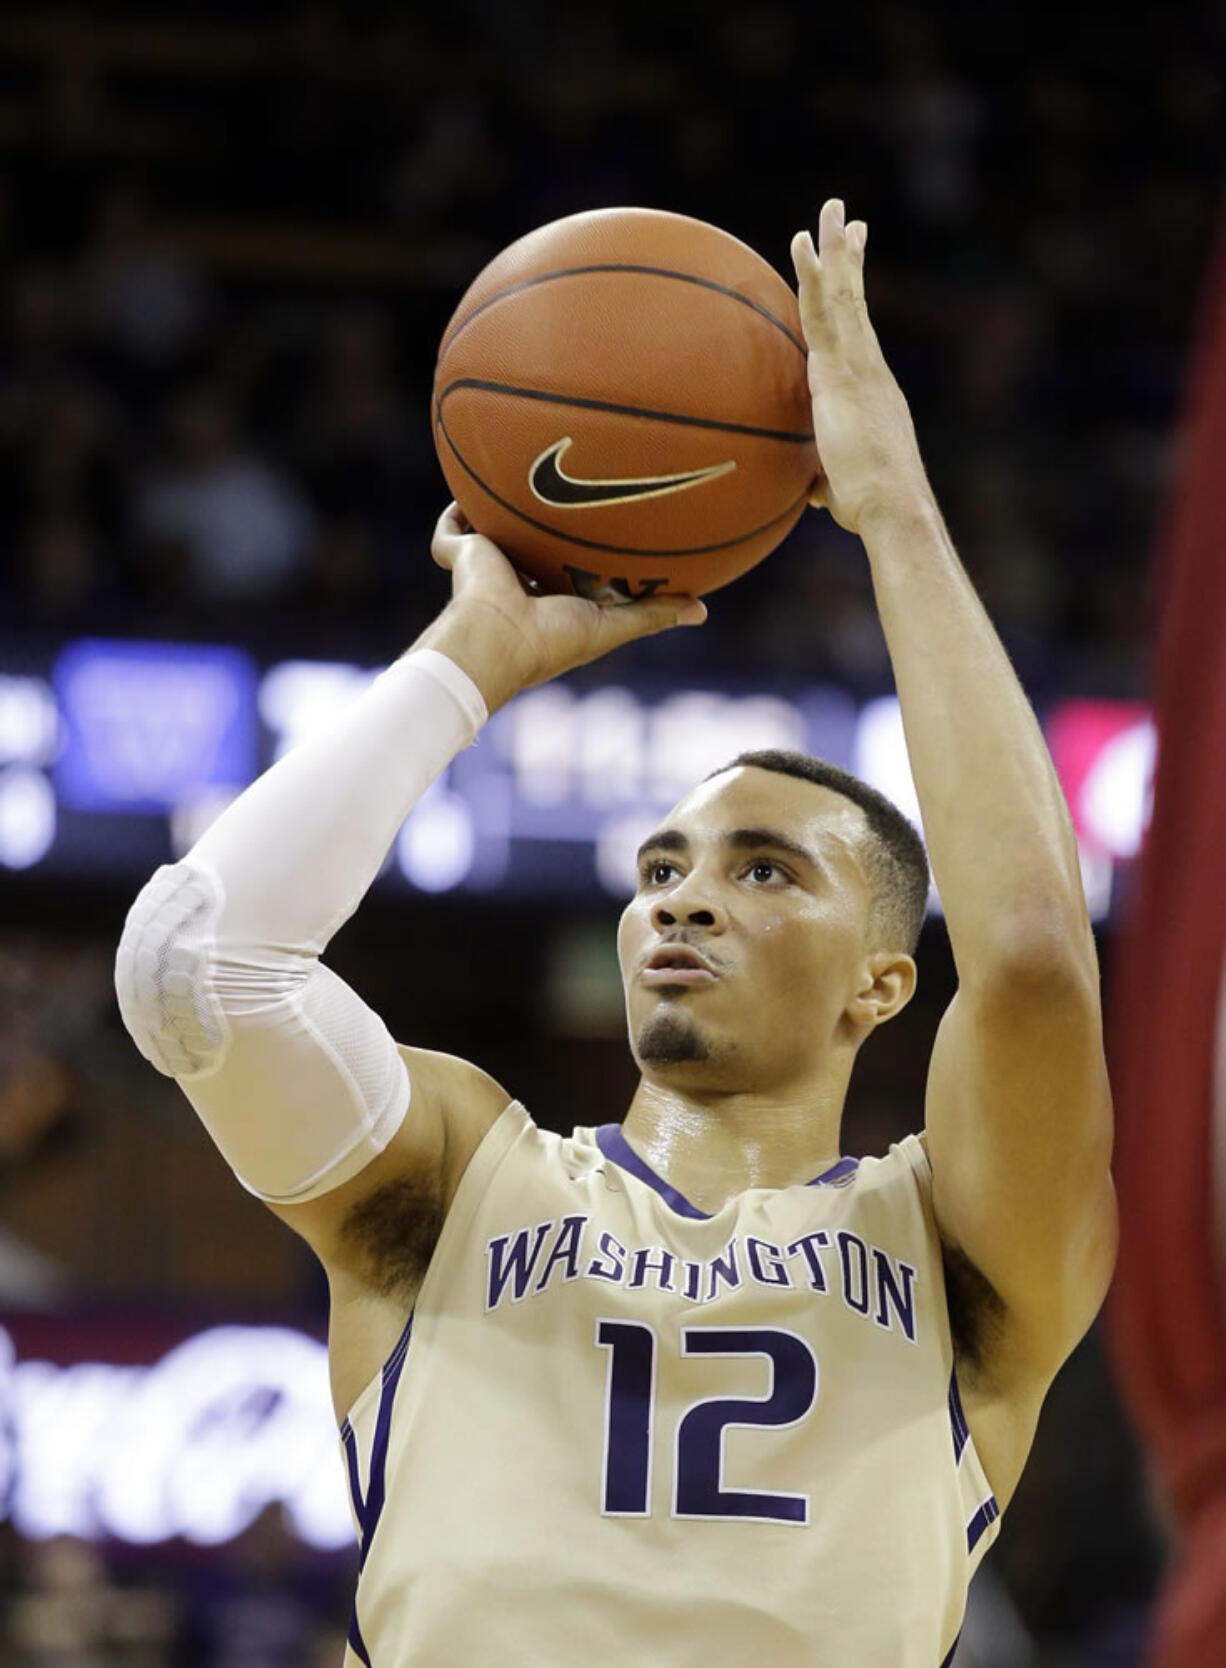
230, 239
255, 1604
232, 236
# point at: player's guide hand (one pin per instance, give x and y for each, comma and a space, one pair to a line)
538, 637
861, 422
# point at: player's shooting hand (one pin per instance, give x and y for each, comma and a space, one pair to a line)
537, 637
862, 424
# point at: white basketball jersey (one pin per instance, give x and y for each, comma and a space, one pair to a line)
618, 1430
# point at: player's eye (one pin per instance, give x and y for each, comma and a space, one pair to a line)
652, 867
764, 863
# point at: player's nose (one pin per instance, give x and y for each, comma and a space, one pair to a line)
690, 902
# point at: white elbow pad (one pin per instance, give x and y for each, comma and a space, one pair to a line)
161, 972
298, 1082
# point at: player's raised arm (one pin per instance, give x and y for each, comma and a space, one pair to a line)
1018, 1110
218, 971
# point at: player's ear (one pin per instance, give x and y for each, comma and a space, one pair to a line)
886, 985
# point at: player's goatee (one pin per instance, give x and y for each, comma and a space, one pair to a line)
670, 1037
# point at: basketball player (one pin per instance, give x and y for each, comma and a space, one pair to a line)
692, 1388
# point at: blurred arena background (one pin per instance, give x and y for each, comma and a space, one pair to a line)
231, 236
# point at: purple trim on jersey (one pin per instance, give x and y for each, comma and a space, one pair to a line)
368, 1511
957, 1418
987, 1513
612, 1142
949, 1656
349, 1438
358, 1645
837, 1172
377, 1488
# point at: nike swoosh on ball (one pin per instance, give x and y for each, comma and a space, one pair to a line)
552, 486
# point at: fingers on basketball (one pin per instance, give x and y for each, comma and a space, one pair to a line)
444, 543
818, 324
842, 263
457, 545
618, 623
832, 283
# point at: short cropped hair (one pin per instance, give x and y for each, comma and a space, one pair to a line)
894, 857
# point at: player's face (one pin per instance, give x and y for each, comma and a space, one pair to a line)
760, 874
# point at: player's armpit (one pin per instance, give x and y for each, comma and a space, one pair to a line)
377, 1230
1018, 1129
376, 1233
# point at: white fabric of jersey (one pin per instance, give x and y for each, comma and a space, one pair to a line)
218, 973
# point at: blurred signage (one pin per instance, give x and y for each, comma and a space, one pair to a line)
1105, 752
123, 754
193, 1444
147, 723
29, 721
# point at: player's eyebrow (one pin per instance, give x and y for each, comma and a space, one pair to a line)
737, 839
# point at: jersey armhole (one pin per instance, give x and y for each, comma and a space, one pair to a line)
511, 1123
980, 1510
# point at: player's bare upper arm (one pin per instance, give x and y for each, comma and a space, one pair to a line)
452, 1104
1018, 1129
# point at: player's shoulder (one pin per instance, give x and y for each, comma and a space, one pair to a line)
893, 1192
905, 1163
462, 1098
448, 1079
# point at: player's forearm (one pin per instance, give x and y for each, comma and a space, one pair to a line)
999, 836
299, 848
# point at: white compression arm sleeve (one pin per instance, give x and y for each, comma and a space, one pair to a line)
218, 977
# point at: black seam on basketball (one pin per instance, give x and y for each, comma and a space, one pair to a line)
624, 266
595, 544
804, 438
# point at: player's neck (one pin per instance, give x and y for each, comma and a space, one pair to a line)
711, 1147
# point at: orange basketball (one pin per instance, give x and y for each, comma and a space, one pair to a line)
621, 404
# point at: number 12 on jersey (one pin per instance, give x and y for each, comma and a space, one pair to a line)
630, 1418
